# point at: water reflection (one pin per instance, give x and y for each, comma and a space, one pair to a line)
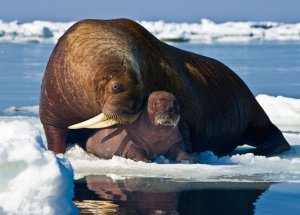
103, 195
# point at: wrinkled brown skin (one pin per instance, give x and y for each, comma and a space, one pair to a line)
218, 111
154, 133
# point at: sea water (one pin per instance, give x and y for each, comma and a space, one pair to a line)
22, 67
271, 68
262, 185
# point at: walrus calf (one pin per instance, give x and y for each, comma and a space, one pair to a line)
154, 133
103, 69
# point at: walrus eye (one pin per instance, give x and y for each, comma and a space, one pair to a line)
116, 87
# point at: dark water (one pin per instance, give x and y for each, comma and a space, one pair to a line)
96, 194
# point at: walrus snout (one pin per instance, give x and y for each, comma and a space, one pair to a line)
166, 119
167, 113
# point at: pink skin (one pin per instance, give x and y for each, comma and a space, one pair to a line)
154, 133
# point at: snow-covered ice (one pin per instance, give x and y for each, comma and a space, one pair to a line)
205, 31
33, 180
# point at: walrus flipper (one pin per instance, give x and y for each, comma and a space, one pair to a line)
136, 153
274, 144
56, 138
267, 141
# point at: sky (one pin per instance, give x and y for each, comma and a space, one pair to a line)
152, 10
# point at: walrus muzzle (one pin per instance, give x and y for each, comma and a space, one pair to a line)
166, 119
103, 121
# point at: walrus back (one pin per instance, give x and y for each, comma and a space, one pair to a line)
228, 107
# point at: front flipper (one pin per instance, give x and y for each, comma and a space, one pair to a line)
176, 153
136, 153
187, 157
56, 138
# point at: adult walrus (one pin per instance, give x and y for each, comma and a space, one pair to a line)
104, 68
154, 133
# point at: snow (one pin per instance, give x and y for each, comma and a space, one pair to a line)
281, 110
33, 179
205, 31
244, 168
36, 31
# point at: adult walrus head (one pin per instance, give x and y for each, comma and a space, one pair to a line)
103, 69
91, 74
117, 88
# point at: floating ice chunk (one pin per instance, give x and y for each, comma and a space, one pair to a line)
206, 31
281, 110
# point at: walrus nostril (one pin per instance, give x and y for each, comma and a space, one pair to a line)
171, 110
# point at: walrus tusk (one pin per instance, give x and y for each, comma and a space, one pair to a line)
99, 118
102, 121
104, 124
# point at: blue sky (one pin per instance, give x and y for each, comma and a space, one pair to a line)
171, 10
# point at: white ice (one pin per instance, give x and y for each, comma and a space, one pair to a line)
33, 179
205, 31
281, 110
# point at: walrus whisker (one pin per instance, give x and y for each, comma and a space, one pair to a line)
166, 119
